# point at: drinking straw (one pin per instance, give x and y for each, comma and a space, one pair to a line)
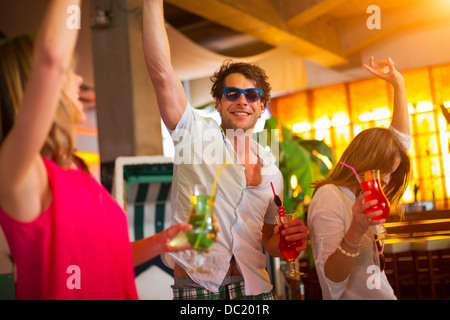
276, 199
216, 178
211, 199
354, 171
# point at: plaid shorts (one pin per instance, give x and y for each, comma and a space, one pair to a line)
232, 288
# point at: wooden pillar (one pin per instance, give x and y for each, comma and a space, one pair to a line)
128, 119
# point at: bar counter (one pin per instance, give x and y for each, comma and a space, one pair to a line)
417, 250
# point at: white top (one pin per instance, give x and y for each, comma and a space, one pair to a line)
329, 218
200, 150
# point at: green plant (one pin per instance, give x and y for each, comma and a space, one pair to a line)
308, 161
302, 159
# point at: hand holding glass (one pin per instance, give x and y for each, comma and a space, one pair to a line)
289, 248
371, 182
203, 221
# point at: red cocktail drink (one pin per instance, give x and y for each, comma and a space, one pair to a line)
288, 248
372, 183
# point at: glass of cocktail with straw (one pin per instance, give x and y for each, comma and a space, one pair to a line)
203, 221
371, 182
287, 248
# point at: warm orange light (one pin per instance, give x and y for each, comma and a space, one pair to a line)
365, 116
303, 126
91, 158
340, 119
381, 113
424, 106
87, 131
335, 114
408, 196
376, 114
324, 158
294, 182
322, 123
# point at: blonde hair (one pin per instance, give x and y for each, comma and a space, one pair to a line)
375, 148
15, 65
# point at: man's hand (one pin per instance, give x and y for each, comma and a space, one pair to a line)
294, 230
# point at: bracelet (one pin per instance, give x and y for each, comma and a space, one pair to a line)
351, 244
348, 254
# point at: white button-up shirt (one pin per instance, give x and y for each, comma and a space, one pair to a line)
329, 218
200, 150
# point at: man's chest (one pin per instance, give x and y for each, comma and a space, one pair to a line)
252, 174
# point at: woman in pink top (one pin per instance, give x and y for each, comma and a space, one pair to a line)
67, 235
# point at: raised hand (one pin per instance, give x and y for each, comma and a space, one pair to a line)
385, 69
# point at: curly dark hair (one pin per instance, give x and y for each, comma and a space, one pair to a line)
248, 69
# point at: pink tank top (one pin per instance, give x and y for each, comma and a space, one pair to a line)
78, 248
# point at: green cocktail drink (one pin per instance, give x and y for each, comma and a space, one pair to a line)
202, 219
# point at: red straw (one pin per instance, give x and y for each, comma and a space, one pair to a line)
281, 210
273, 189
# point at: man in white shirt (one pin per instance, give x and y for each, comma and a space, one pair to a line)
244, 204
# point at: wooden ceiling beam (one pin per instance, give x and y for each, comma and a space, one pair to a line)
313, 12
260, 19
415, 15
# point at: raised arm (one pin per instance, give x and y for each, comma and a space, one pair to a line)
170, 93
24, 189
52, 53
386, 71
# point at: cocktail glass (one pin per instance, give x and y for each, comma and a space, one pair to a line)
203, 221
204, 228
371, 182
289, 248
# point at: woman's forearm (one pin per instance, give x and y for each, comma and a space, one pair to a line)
339, 264
55, 41
148, 248
400, 115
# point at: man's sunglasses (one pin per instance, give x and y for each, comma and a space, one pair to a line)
233, 93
